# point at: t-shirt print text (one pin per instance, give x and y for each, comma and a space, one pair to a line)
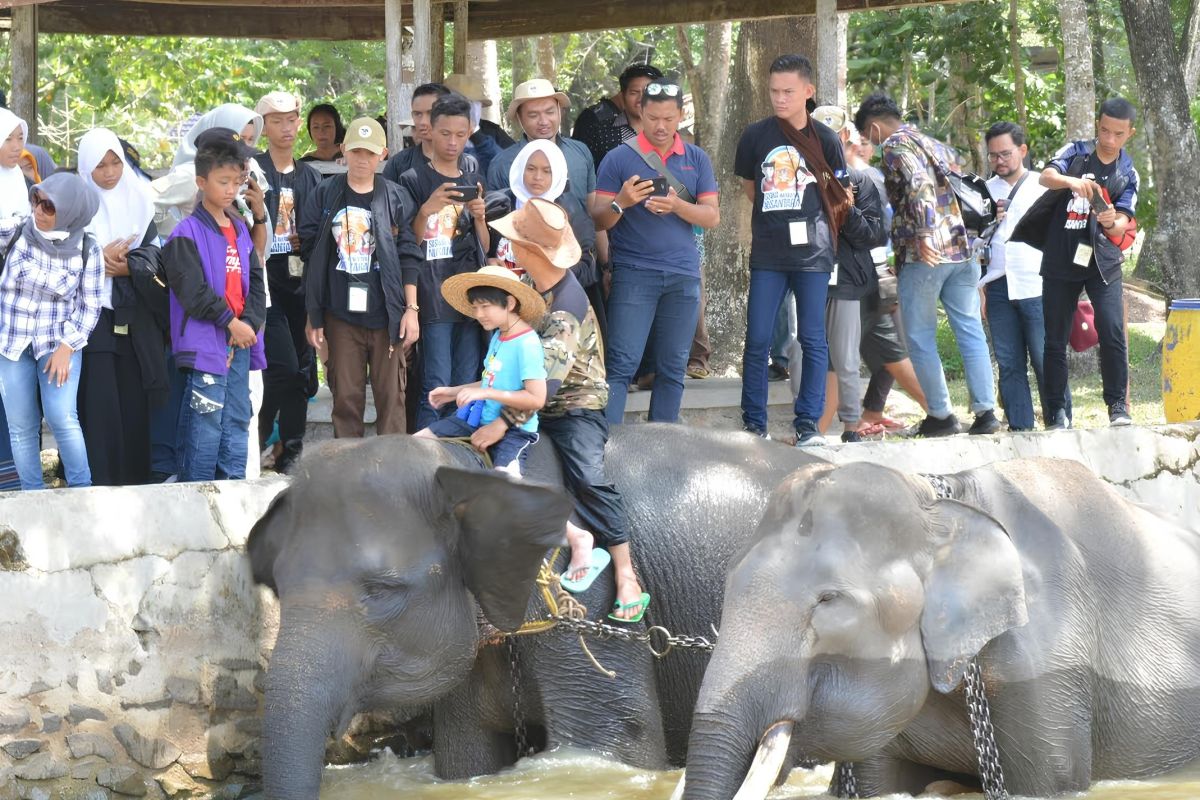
785, 177
1080, 207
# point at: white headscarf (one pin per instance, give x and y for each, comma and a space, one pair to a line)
230, 115
14, 192
127, 208
558, 171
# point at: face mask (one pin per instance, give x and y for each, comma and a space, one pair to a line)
51, 236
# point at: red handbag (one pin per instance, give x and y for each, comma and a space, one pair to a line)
1083, 328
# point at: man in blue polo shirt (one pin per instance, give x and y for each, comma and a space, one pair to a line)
654, 252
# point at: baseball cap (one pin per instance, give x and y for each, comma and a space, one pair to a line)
365, 133
278, 103
834, 117
228, 136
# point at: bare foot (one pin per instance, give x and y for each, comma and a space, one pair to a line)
581, 543
629, 590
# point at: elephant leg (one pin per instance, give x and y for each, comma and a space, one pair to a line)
466, 740
1044, 735
886, 775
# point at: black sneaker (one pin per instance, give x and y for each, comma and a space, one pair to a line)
807, 435
851, 436
758, 433
1118, 415
1060, 421
776, 372
985, 423
931, 427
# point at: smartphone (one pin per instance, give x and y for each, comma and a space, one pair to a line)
1098, 201
468, 193
661, 188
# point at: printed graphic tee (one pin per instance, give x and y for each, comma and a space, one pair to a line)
354, 237
1063, 241
233, 272
285, 216
510, 361
785, 192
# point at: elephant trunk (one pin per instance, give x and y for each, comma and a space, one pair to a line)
309, 683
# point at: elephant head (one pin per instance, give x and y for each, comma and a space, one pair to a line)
859, 592
380, 554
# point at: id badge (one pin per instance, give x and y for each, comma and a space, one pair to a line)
120, 330
833, 276
1083, 255
356, 300
295, 266
798, 230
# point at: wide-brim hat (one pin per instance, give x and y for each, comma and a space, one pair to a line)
469, 86
536, 89
455, 288
544, 226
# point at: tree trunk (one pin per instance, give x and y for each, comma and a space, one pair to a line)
718, 55
481, 62
694, 82
546, 62
522, 60
1099, 28
1191, 51
1079, 82
727, 249
1174, 242
1014, 44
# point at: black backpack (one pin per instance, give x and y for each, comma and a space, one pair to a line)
975, 203
88, 242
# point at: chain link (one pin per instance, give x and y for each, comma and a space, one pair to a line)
990, 773
845, 784
658, 639
520, 733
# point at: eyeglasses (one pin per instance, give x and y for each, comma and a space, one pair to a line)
669, 89
1004, 156
44, 203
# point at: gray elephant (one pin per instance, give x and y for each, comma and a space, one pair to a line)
850, 620
382, 551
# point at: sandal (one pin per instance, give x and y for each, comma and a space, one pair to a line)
600, 560
643, 601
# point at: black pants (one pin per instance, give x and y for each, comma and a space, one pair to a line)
580, 436
113, 411
290, 377
1059, 301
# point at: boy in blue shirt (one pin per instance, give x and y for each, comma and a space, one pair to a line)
514, 370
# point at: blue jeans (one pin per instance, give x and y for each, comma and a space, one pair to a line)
164, 423
1018, 339
648, 304
452, 354
21, 382
214, 423
782, 337
954, 283
767, 290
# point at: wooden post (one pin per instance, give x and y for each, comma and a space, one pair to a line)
460, 36
830, 89
437, 35
422, 48
393, 30
23, 38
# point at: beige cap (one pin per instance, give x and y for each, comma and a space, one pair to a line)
536, 89
834, 117
366, 134
468, 86
278, 103
544, 226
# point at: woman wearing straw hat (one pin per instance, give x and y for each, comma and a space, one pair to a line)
514, 370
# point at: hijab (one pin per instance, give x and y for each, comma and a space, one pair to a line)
558, 171
28, 159
14, 192
75, 204
230, 115
126, 209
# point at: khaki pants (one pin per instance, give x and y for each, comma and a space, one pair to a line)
701, 349
353, 353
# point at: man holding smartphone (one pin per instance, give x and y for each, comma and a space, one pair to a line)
652, 194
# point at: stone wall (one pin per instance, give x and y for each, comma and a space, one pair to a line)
133, 642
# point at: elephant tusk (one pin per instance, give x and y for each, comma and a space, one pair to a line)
678, 793
768, 761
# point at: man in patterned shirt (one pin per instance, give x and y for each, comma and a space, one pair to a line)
576, 392
935, 262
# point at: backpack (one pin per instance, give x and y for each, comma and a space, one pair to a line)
975, 203
88, 242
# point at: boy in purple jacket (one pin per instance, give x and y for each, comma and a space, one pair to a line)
218, 306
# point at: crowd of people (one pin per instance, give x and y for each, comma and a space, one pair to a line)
136, 316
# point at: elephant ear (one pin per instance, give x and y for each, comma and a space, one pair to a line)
975, 590
266, 539
505, 528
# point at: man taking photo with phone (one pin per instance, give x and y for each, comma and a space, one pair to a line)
654, 193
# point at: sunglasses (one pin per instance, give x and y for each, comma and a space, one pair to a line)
668, 89
45, 204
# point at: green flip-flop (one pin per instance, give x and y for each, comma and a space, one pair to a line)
643, 601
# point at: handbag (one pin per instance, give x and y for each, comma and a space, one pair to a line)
1083, 328
975, 203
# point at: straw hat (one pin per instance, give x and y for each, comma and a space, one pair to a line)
545, 227
454, 289
536, 89
468, 86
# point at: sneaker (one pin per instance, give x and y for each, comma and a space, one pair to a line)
1118, 415
1060, 421
931, 427
777, 373
807, 435
758, 433
851, 436
985, 423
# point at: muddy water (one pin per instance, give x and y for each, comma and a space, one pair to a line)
585, 777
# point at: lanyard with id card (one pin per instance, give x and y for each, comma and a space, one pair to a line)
1083, 255
800, 232
358, 296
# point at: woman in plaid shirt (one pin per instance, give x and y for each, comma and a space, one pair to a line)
50, 294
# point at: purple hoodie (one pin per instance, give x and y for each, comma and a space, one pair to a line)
194, 256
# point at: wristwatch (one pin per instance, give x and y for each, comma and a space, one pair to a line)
260, 220
616, 207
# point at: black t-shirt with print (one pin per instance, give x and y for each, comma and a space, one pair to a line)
1069, 228
357, 269
785, 192
278, 247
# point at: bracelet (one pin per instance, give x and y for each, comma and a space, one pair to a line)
413, 307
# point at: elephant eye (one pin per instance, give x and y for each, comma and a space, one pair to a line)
828, 596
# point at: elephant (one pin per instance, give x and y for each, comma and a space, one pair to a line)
384, 553
851, 618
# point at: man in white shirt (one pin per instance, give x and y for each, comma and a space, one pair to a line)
1013, 286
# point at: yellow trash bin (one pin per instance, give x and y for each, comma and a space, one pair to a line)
1181, 362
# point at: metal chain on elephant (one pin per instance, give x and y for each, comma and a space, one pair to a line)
844, 783
658, 639
520, 734
990, 773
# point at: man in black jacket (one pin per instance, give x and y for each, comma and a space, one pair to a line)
291, 375
357, 296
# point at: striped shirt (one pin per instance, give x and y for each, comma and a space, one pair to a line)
46, 301
923, 205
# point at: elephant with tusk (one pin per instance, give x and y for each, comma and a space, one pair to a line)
851, 616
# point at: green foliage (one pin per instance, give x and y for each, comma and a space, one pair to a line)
947, 347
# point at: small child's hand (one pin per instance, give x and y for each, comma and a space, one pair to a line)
468, 396
440, 396
241, 335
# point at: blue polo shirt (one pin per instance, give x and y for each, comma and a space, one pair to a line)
642, 239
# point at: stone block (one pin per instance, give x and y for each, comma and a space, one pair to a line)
175, 780
122, 780
13, 720
183, 690
152, 752
91, 744
96, 794
61, 604
32, 792
40, 767
23, 748
86, 768
51, 723
229, 695
12, 558
78, 713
